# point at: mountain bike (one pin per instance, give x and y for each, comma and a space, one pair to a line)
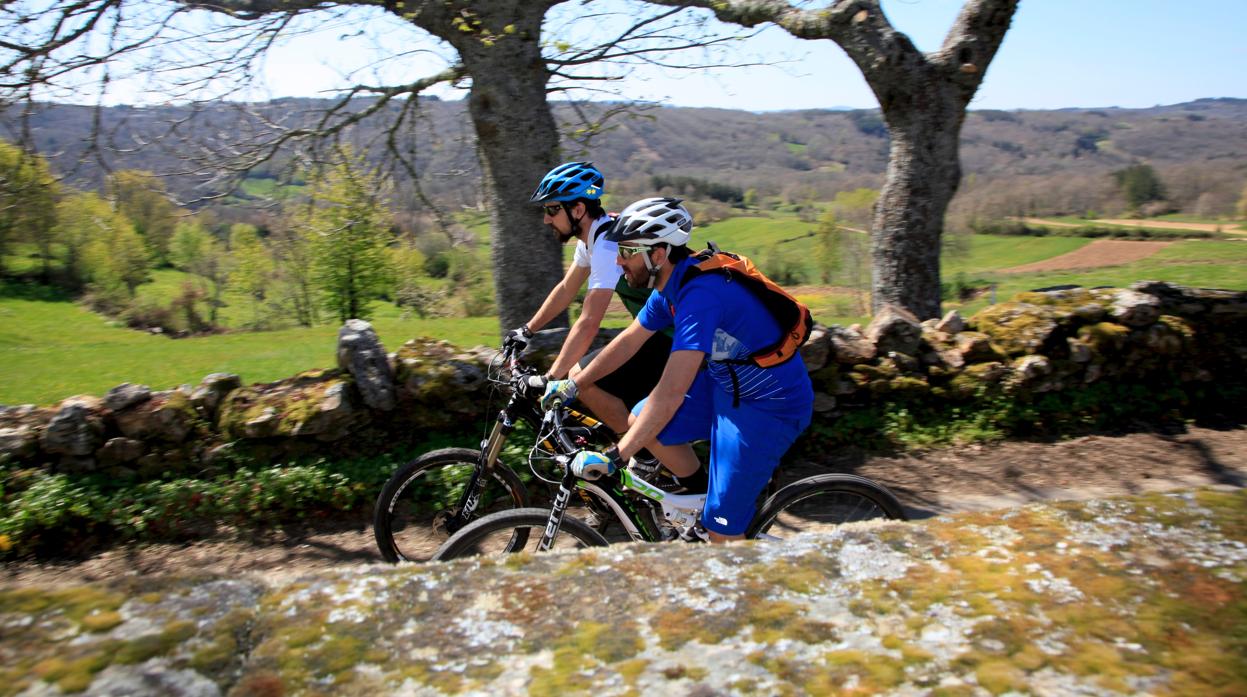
649, 514
433, 496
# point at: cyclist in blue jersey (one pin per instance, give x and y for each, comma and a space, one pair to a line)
751, 419
570, 196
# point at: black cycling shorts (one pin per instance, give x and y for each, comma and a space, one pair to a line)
634, 380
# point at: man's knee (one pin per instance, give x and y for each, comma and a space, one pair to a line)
574, 371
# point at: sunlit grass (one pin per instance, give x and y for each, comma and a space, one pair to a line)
53, 349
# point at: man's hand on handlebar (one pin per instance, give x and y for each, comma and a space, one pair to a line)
515, 341
533, 386
592, 466
561, 391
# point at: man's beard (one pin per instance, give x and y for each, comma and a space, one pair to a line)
639, 279
564, 237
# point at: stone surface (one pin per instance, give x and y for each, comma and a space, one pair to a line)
77, 429
849, 346
18, 443
1126, 596
361, 354
120, 451
814, 353
952, 323
894, 329
1016, 327
207, 396
1135, 309
126, 395
166, 417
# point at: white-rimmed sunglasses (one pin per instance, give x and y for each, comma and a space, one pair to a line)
629, 252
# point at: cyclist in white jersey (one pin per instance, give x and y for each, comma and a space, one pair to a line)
570, 198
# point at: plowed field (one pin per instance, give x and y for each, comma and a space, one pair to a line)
1097, 253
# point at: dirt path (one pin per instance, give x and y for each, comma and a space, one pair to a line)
943, 481
1095, 254
1154, 224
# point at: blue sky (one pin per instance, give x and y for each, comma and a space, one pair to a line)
1059, 53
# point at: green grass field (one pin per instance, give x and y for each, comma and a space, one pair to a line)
54, 348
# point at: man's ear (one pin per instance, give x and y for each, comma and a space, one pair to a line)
659, 255
579, 209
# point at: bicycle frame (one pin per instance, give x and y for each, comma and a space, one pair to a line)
518, 409
682, 511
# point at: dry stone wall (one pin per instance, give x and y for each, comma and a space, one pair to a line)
1119, 597
1040, 342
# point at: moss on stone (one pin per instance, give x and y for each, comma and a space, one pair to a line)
906, 387
74, 603
101, 621
1000, 676
152, 645
1017, 328
1104, 337
566, 675
608, 643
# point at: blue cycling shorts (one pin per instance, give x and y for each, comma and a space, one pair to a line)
746, 445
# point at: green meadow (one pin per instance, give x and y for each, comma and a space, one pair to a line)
53, 348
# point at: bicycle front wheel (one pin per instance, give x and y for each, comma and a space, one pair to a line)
822, 502
518, 530
418, 508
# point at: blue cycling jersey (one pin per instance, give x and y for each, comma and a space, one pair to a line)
723, 319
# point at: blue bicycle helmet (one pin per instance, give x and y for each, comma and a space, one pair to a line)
570, 181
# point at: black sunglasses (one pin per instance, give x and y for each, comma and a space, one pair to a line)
552, 209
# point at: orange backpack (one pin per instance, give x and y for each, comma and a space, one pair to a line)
793, 316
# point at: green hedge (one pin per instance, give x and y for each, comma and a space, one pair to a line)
1017, 228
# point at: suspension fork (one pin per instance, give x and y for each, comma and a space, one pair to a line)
491, 448
557, 511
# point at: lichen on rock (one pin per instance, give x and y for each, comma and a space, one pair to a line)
1122, 596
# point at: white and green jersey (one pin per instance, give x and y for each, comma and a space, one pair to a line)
599, 257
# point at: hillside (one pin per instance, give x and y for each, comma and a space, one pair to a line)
794, 153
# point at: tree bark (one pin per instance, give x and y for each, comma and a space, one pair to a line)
923, 98
923, 173
519, 143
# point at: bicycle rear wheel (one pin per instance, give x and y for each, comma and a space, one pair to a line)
413, 514
822, 502
518, 530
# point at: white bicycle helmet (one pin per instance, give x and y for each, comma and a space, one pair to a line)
652, 221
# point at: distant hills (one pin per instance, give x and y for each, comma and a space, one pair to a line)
819, 151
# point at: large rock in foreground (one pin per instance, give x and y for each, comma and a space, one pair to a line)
1130, 596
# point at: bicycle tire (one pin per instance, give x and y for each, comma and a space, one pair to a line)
822, 502
408, 518
516, 530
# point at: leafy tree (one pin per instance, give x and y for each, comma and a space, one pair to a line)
1242, 205
28, 193
102, 250
1139, 184
250, 267
194, 250
142, 198
349, 226
408, 263
923, 99
294, 273
827, 251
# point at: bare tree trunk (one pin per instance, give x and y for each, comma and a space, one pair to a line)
519, 142
923, 173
